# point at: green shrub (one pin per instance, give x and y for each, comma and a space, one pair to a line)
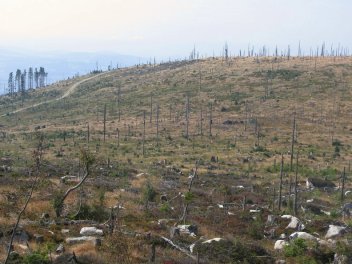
297, 248
36, 257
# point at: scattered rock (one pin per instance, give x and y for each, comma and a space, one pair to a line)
294, 224
217, 239
188, 229
65, 231
91, 231
283, 236
280, 244
164, 221
303, 235
82, 239
335, 231
60, 249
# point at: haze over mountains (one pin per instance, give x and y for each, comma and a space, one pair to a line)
60, 65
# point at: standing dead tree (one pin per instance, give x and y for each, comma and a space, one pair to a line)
280, 186
293, 141
343, 178
187, 117
188, 196
210, 119
87, 160
104, 122
119, 103
295, 190
143, 132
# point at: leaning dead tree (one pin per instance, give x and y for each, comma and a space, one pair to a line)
37, 155
87, 160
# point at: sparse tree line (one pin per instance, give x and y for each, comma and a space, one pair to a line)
20, 81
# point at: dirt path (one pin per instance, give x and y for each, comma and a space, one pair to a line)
69, 91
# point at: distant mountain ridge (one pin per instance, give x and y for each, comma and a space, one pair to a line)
61, 65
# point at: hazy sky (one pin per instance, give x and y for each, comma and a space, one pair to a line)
165, 28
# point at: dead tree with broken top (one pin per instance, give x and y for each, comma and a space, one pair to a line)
188, 195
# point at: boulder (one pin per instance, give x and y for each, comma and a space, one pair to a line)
295, 223
188, 229
280, 244
91, 231
335, 231
82, 239
303, 235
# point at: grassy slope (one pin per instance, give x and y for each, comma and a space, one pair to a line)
318, 91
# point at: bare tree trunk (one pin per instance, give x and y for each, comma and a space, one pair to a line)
296, 185
187, 116
88, 133
118, 136
343, 184
157, 125
104, 121
143, 132
201, 121
119, 103
210, 119
293, 140
151, 108
281, 174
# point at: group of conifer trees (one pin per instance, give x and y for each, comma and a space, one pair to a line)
22, 81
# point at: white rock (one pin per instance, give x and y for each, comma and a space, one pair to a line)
254, 211
334, 231
286, 216
295, 222
303, 235
91, 231
323, 242
283, 236
76, 240
280, 244
217, 239
65, 231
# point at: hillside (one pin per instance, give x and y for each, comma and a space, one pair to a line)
227, 122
